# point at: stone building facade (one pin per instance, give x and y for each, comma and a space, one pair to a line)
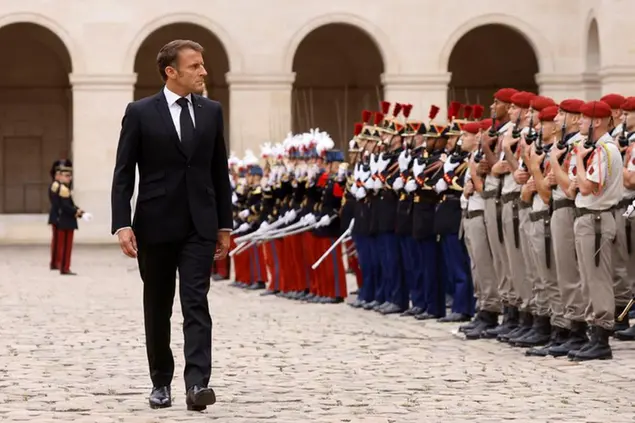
70, 67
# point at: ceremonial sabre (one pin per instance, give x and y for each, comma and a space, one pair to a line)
335, 244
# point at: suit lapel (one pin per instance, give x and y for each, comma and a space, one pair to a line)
200, 123
163, 110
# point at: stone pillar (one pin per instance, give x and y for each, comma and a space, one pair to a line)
420, 90
260, 109
618, 79
562, 86
99, 102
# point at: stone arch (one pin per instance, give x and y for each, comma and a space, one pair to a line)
217, 62
334, 81
36, 112
234, 56
477, 73
538, 43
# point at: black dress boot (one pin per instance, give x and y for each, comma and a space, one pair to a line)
539, 334
486, 320
621, 325
576, 340
526, 321
510, 322
472, 324
600, 348
413, 311
589, 343
625, 335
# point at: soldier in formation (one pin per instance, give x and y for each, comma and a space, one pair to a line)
523, 219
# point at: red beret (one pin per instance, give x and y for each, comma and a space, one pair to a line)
472, 127
571, 105
628, 105
540, 102
596, 110
486, 124
548, 114
505, 94
613, 100
523, 99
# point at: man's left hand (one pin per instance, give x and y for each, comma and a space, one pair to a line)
222, 245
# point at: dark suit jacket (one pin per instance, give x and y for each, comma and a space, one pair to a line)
67, 210
176, 189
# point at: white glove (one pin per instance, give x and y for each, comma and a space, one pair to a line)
398, 184
243, 214
341, 174
87, 217
378, 184
382, 162
417, 167
324, 221
404, 160
629, 211
234, 224
310, 219
234, 198
360, 193
411, 186
243, 227
440, 186
353, 189
263, 226
448, 166
291, 215
362, 175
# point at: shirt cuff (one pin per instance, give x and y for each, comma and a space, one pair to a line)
121, 229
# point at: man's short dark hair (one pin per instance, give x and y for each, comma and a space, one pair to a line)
168, 54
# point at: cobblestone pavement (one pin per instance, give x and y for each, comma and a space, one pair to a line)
72, 349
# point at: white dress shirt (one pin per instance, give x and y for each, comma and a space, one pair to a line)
175, 109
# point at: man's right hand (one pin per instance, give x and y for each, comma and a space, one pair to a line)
128, 242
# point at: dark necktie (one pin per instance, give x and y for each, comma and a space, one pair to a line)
187, 126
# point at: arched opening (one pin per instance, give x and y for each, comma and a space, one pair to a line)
488, 58
149, 81
36, 117
592, 84
338, 73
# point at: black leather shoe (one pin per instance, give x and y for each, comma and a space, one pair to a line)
160, 397
454, 318
68, 273
267, 293
198, 398
412, 312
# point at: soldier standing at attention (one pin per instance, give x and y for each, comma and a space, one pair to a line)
53, 212
68, 213
600, 184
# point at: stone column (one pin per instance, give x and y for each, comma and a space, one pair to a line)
618, 79
260, 109
562, 86
99, 102
420, 90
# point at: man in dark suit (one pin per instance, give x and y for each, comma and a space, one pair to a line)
183, 214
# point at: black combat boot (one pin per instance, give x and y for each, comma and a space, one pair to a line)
558, 337
588, 345
486, 320
510, 322
526, 322
576, 340
600, 348
472, 324
539, 334
625, 335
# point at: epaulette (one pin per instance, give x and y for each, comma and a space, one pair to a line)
55, 186
65, 192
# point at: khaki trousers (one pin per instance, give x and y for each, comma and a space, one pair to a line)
597, 281
515, 255
567, 272
622, 263
482, 261
506, 291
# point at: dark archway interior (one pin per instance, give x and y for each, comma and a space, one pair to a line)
338, 74
36, 117
216, 62
488, 58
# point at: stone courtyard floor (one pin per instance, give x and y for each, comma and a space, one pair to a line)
72, 349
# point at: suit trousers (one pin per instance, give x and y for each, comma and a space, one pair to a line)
158, 263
